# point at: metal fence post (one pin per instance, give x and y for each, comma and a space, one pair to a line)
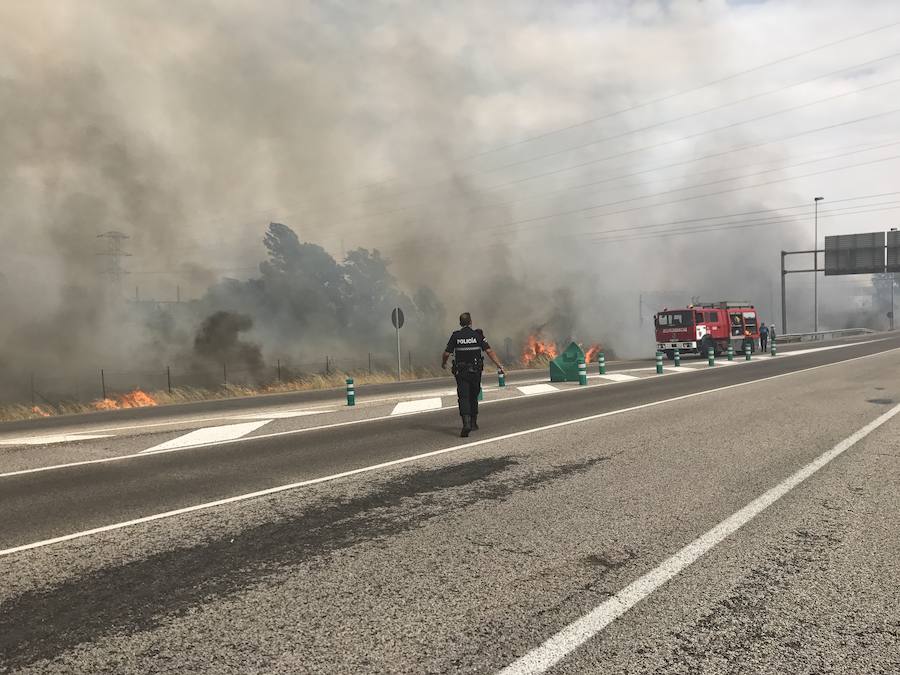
103, 383
169, 379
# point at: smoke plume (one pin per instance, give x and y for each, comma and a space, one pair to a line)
399, 151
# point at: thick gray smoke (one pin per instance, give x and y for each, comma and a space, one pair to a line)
191, 126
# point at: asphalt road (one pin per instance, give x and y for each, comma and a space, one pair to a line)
468, 559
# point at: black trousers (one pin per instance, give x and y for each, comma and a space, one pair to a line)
763, 341
467, 387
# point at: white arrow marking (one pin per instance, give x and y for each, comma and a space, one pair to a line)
226, 432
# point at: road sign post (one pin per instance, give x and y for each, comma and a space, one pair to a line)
397, 319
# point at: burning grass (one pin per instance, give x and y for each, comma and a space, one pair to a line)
139, 398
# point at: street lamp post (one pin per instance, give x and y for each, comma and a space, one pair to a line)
816, 201
893, 276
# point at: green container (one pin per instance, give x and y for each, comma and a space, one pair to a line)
564, 368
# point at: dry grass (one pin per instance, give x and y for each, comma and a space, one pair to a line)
12, 412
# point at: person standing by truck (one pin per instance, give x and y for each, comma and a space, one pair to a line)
763, 336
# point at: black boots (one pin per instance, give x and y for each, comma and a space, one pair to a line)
474, 422
467, 426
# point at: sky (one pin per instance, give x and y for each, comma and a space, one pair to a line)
622, 154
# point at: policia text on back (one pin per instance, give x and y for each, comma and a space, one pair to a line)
466, 346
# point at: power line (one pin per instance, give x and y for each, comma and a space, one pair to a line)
640, 105
683, 92
732, 226
681, 118
689, 198
698, 134
805, 205
690, 137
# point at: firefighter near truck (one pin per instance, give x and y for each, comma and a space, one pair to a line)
698, 328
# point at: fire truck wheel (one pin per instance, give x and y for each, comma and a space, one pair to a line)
705, 343
670, 354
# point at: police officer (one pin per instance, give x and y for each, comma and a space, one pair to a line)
466, 345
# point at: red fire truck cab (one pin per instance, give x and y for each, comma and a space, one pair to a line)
698, 327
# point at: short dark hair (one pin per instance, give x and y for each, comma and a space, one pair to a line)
465, 319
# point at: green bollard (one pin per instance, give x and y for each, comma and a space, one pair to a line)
351, 392
677, 358
582, 373
481, 394
601, 359
659, 369
730, 352
501, 378
772, 350
746, 351
711, 356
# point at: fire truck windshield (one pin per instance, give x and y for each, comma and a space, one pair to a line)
675, 319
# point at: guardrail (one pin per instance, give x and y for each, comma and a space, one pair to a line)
823, 335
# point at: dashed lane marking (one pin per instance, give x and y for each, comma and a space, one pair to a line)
406, 407
533, 389
281, 415
227, 432
619, 377
55, 438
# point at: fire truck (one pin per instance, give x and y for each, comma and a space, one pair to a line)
698, 327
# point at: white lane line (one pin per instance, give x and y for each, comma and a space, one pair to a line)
406, 407
286, 414
408, 460
364, 401
208, 435
54, 438
367, 420
533, 389
580, 631
619, 377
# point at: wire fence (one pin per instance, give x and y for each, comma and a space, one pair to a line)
87, 385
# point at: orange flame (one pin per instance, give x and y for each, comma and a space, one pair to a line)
137, 399
536, 347
133, 399
591, 352
105, 404
40, 412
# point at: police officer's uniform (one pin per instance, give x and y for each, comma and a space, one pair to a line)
466, 345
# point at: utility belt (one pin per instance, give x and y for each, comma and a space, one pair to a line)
467, 367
